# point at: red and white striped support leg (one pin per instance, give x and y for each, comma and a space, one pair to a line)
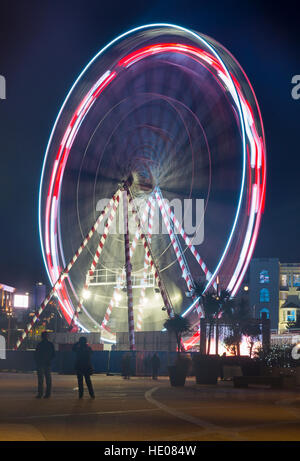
146, 265
128, 274
179, 255
188, 242
112, 302
143, 221
186, 274
65, 271
108, 312
90, 234
154, 269
34, 318
95, 261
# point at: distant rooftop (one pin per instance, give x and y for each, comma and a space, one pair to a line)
7, 288
292, 301
290, 264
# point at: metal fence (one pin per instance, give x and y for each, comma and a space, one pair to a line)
109, 362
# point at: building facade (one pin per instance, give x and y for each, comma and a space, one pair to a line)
289, 295
6, 298
275, 290
264, 289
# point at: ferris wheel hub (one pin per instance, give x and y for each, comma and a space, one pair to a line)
142, 182
139, 181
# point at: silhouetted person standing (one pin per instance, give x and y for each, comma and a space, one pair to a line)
44, 354
126, 365
147, 365
83, 366
155, 363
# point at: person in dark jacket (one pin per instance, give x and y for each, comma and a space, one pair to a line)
155, 363
83, 366
126, 365
44, 354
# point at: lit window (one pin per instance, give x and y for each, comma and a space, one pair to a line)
291, 316
264, 277
284, 280
264, 311
296, 280
264, 295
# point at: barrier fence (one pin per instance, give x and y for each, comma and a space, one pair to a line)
103, 362
110, 362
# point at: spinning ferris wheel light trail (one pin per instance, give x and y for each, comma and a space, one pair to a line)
160, 113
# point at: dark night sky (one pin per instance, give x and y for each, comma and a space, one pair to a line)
45, 44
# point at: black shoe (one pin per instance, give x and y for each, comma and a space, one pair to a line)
46, 396
38, 396
92, 397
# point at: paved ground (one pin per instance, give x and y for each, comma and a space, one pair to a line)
146, 410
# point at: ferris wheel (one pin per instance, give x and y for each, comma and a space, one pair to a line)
154, 177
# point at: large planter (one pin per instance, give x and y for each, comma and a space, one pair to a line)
207, 369
280, 371
240, 366
177, 375
288, 376
289, 382
298, 376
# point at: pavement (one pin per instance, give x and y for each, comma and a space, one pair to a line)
141, 409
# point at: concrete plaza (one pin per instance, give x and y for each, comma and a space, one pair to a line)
141, 409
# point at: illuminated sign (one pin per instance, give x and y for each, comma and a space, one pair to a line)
21, 301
